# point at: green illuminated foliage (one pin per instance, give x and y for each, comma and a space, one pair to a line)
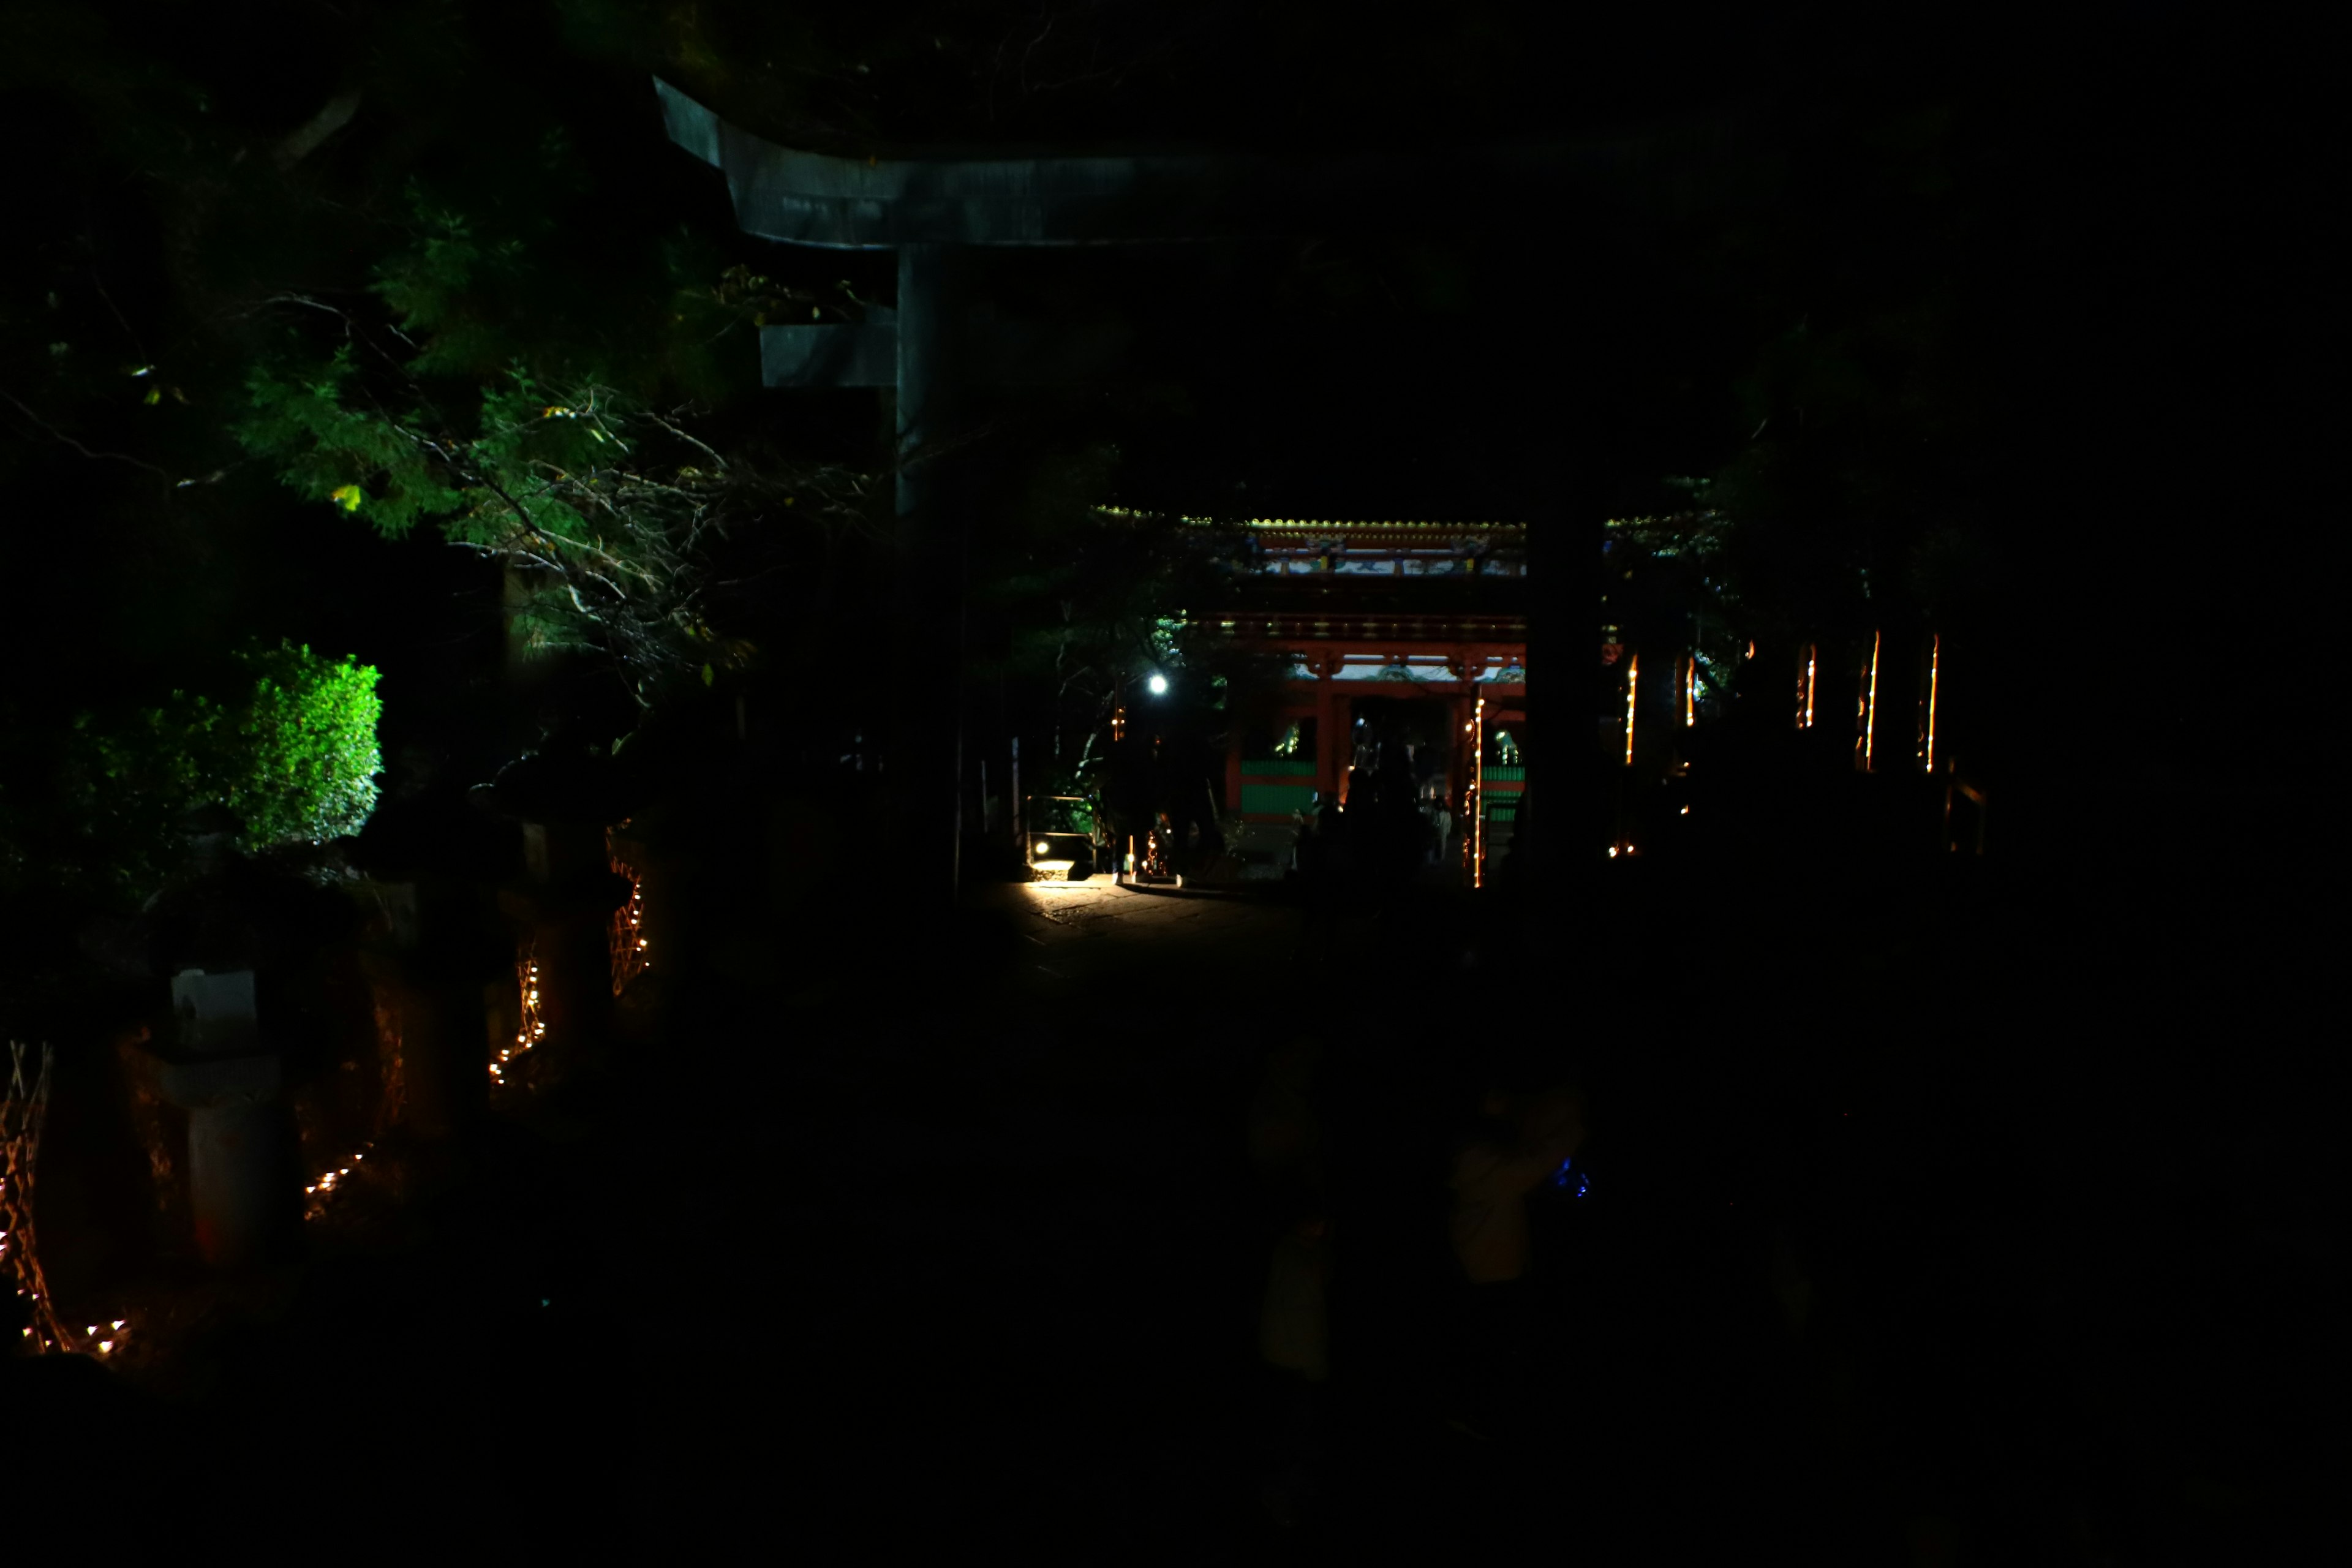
288, 742
301, 759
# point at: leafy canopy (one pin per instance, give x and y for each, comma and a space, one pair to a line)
470, 413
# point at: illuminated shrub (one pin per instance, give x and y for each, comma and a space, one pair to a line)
289, 747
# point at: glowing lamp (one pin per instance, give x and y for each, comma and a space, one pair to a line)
1159, 684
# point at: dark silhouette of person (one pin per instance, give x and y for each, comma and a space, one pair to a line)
1331, 831
1327, 871
1285, 1144
1506, 1149
1286, 1159
1400, 817
1294, 1345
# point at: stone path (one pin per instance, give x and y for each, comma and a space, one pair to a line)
959, 1251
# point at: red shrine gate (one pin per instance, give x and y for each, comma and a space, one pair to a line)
1411, 634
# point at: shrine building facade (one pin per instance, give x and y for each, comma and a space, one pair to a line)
1405, 645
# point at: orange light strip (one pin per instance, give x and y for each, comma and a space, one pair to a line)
1934, 657
1478, 799
1870, 711
1812, 682
1633, 683
1690, 691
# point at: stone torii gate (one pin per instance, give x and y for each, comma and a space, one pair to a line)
937, 347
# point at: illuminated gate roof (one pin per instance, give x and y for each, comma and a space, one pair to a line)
1380, 591
1301, 547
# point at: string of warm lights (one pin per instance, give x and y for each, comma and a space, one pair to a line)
533, 1030
391, 1100
1478, 796
23, 1106
23, 1109
628, 937
1633, 684
319, 1191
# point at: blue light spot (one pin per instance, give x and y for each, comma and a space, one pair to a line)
542, 1301
1568, 1179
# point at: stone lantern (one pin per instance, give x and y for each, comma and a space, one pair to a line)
243, 1178
233, 937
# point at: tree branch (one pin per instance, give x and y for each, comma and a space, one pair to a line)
60, 438
120, 320
325, 123
664, 423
